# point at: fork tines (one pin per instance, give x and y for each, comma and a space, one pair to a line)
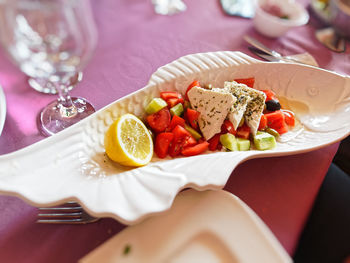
71, 214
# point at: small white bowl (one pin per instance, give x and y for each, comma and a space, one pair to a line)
273, 26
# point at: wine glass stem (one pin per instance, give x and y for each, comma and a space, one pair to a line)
66, 105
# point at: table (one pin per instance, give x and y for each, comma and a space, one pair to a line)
133, 43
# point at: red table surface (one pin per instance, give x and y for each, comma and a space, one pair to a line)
133, 43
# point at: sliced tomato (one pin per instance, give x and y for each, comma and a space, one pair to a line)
191, 141
193, 84
227, 127
174, 101
192, 117
201, 140
275, 119
282, 129
181, 136
249, 82
162, 144
172, 98
160, 120
180, 132
289, 117
270, 95
195, 150
165, 95
263, 122
243, 131
175, 149
214, 142
176, 120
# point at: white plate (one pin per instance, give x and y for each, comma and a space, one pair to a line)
2, 109
210, 226
72, 165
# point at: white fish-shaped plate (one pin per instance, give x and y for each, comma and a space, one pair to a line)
72, 165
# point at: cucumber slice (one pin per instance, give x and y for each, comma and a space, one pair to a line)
155, 105
229, 141
264, 141
178, 109
193, 132
243, 144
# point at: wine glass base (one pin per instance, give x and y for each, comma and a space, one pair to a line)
51, 121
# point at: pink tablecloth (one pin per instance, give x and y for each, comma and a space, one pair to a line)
133, 43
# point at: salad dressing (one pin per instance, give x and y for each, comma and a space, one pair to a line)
298, 107
309, 119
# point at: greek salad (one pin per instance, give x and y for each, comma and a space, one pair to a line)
236, 117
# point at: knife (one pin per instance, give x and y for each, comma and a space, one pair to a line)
263, 55
270, 55
273, 58
255, 43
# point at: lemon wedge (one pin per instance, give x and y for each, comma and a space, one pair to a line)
128, 141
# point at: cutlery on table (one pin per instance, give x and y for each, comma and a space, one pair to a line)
268, 54
69, 213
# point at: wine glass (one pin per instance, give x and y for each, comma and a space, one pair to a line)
53, 41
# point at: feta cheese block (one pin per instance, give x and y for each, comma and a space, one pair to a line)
255, 105
237, 110
213, 107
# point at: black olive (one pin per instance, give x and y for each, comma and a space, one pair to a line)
273, 105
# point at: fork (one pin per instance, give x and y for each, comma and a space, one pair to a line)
266, 53
69, 213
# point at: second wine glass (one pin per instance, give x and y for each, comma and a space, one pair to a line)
53, 40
